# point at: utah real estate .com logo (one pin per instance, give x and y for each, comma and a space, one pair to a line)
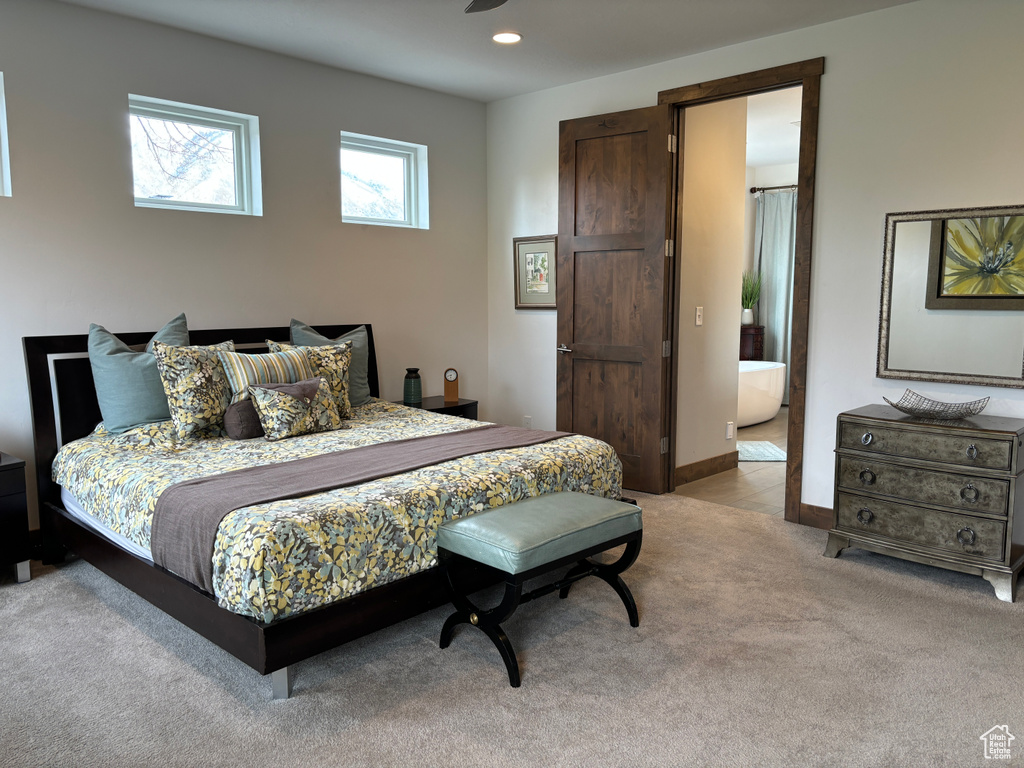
997, 742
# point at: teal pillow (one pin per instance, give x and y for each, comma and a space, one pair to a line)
358, 370
128, 385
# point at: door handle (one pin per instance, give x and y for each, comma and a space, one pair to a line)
562, 349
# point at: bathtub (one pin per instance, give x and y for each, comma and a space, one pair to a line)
761, 389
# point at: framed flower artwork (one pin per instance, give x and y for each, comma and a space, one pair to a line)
976, 260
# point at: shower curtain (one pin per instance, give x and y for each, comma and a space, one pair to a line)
775, 240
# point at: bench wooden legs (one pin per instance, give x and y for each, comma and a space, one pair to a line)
489, 621
609, 574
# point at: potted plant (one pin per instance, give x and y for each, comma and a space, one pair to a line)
750, 292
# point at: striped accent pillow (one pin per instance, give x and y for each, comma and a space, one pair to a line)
244, 371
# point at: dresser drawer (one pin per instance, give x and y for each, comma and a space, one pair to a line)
979, 538
12, 480
948, 489
968, 451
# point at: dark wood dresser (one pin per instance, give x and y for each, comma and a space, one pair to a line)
937, 492
751, 342
14, 537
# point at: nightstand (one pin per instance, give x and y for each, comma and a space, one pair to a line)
14, 541
751, 342
464, 408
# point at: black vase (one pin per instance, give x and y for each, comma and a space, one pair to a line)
413, 392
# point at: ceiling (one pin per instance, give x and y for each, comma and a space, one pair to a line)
773, 127
433, 44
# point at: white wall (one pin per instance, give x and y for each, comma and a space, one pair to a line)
776, 175
711, 256
74, 249
916, 113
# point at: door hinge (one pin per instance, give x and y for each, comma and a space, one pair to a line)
673, 143
670, 248
666, 348
664, 445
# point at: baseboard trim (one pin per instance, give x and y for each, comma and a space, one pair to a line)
816, 517
707, 468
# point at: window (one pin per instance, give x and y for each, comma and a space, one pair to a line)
5, 157
194, 158
383, 182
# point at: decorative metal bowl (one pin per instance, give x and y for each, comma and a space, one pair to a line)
925, 408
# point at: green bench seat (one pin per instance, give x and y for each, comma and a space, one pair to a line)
532, 537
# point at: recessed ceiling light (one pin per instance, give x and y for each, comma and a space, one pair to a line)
507, 38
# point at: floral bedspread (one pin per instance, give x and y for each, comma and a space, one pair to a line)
276, 559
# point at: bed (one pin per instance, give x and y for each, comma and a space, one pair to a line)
252, 615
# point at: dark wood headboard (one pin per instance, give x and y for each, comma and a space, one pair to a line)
63, 395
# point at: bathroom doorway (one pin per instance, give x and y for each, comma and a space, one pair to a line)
772, 158
739, 193
690, 464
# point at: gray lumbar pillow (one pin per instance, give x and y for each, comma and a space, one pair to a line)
128, 385
241, 421
358, 370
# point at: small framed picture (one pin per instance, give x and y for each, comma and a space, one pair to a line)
534, 261
976, 260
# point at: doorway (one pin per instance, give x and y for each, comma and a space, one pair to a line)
737, 191
807, 74
770, 195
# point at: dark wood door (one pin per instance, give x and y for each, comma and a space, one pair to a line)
615, 288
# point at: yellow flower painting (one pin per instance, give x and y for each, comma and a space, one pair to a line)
984, 257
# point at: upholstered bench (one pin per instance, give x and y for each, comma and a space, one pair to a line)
531, 537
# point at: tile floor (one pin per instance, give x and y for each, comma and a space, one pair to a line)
756, 485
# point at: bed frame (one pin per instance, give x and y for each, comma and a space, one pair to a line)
64, 408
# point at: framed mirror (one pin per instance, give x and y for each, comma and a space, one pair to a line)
952, 306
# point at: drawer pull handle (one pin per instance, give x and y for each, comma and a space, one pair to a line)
966, 536
867, 477
972, 451
866, 438
969, 493
865, 516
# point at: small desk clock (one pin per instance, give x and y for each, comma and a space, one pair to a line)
451, 386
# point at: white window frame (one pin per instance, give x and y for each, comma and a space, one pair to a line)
5, 154
417, 197
246, 128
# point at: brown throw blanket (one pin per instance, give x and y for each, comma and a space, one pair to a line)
188, 513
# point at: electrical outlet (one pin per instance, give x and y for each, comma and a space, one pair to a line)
528, 422
700, 316
730, 430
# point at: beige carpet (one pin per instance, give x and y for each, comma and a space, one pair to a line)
753, 650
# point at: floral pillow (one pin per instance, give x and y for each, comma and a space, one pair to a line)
330, 362
197, 388
289, 410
